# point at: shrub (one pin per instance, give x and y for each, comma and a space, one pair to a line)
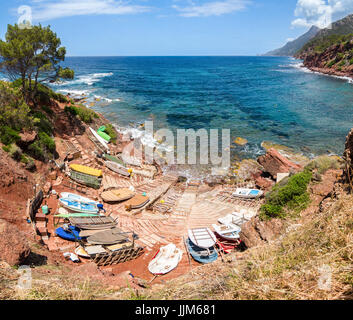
110, 130
86, 115
8, 135
6, 148
36, 150
292, 195
42, 123
342, 63
46, 141
44, 94
323, 163
330, 64
24, 159
14, 112
43, 147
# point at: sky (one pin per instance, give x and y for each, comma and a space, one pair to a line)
174, 27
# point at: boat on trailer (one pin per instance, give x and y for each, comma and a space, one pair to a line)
247, 193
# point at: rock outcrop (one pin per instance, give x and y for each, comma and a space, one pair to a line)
11, 172
257, 232
14, 247
273, 162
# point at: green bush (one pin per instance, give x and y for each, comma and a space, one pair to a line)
323, 163
6, 148
24, 159
42, 123
8, 135
86, 115
110, 130
14, 112
43, 148
46, 141
330, 64
290, 195
44, 94
36, 150
342, 63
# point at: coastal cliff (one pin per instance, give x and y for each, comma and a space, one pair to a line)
331, 50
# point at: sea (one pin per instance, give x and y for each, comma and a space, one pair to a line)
258, 98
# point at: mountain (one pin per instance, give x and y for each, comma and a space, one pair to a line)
331, 50
340, 27
293, 46
329, 36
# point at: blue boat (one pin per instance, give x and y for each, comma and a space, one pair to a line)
72, 235
201, 255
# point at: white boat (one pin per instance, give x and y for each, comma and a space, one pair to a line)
227, 232
243, 216
78, 206
202, 237
76, 197
81, 252
231, 221
247, 193
166, 259
118, 168
100, 139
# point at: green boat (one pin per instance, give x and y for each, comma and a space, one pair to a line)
102, 134
87, 180
75, 215
114, 159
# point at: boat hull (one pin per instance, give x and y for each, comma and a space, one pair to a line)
196, 253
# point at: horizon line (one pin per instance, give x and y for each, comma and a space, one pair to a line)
136, 56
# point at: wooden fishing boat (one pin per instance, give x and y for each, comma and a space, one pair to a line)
78, 206
76, 197
108, 237
202, 237
166, 259
117, 168
93, 222
247, 193
86, 179
200, 254
231, 221
227, 232
117, 195
109, 157
137, 202
100, 139
86, 170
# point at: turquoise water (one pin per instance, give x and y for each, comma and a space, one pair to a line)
258, 98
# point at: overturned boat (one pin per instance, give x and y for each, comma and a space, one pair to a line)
166, 259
